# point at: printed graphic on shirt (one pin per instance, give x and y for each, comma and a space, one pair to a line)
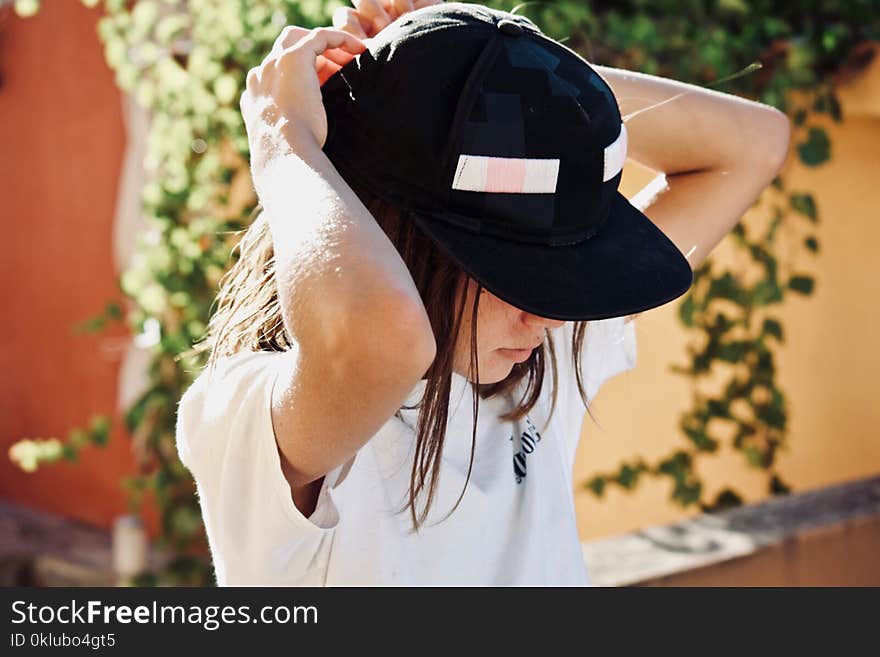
528, 439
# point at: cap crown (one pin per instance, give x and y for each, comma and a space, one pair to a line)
473, 116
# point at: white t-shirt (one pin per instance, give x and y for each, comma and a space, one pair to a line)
515, 525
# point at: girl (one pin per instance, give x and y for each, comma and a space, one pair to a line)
331, 438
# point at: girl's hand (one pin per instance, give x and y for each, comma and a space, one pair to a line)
282, 102
365, 22
369, 17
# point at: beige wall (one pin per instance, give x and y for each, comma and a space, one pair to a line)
827, 368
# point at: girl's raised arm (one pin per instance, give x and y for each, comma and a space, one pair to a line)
718, 151
362, 336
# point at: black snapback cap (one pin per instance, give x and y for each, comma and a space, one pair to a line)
508, 148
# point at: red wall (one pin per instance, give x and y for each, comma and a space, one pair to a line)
61, 146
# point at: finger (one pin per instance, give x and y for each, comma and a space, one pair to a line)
330, 50
338, 56
418, 4
325, 69
252, 79
244, 101
326, 38
289, 36
399, 7
388, 6
346, 18
374, 11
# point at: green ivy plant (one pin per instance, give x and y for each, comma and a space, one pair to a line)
186, 63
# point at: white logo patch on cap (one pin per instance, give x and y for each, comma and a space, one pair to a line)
615, 155
481, 173
517, 175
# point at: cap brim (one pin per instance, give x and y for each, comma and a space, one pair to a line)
629, 266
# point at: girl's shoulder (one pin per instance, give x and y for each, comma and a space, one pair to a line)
237, 388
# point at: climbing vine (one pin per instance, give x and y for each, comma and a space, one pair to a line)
186, 63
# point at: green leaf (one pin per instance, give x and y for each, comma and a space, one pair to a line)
701, 440
753, 456
676, 464
113, 310
772, 327
816, 149
805, 204
827, 103
771, 231
766, 292
801, 284
686, 310
687, 492
734, 7
133, 483
89, 326
717, 408
628, 476
100, 429
773, 416
722, 324
727, 286
726, 499
777, 486
597, 485
78, 438
69, 452
734, 351
185, 521
778, 399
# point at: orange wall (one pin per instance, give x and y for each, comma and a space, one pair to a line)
828, 368
62, 145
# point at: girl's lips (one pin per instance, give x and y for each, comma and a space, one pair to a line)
519, 355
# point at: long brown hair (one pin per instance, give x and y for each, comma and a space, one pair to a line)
248, 318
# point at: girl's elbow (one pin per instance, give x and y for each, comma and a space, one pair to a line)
778, 139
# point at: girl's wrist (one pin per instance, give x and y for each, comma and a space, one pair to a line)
275, 139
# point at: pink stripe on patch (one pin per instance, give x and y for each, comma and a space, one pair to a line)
508, 174
505, 174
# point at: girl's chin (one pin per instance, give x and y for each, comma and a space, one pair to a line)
490, 377
496, 368
498, 372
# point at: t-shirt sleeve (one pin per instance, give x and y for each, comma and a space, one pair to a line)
224, 435
609, 349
